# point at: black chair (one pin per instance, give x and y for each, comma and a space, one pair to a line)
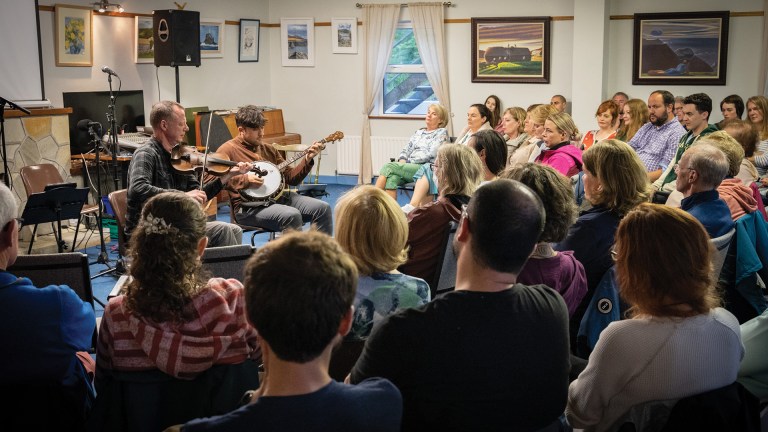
344, 357
227, 261
445, 275
256, 230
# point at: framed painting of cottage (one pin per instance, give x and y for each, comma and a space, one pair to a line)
297, 40
74, 35
248, 50
211, 38
144, 43
688, 48
510, 50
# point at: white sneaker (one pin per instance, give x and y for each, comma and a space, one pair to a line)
408, 208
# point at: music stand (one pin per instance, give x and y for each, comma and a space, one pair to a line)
313, 190
53, 205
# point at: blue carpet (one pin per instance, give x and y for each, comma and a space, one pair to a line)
102, 285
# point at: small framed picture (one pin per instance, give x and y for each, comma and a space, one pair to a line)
249, 40
144, 43
74, 35
297, 38
344, 35
211, 38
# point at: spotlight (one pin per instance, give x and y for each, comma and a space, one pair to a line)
104, 6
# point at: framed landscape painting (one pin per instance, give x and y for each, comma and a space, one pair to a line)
510, 50
211, 38
144, 45
688, 48
297, 40
344, 35
74, 35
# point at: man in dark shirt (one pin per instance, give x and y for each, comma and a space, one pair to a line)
151, 172
492, 355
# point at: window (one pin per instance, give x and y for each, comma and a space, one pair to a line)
406, 89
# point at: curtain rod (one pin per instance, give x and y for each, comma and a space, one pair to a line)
449, 4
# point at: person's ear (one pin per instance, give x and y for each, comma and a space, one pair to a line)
6, 234
462, 232
346, 321
201, 245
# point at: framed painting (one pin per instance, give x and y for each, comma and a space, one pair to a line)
344, 35
74, 35
297, 40
510, 50
688, 48
144, 44
211, 38
248, 50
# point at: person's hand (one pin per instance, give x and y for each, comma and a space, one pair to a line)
254, 180
314, 150
240, 168
198, 195
402, 161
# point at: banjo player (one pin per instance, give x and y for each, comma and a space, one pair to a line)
290, 210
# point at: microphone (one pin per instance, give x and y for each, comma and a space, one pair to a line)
108, 71
85, 124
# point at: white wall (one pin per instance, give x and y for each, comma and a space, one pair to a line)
328, 97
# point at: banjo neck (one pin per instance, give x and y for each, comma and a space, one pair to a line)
330, 138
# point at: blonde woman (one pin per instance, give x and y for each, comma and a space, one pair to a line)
459, 170
559, 152
373, 230
634, 116
513, 122
534, 120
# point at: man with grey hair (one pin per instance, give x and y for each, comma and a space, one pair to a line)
700, 171
43, 328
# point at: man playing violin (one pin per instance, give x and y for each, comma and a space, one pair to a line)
291, 210
151, 172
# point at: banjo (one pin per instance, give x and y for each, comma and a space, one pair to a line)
274, 182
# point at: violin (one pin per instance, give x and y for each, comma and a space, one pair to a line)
187, 159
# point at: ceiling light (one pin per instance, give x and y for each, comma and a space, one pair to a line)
104, 6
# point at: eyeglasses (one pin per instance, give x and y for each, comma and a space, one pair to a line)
464, 214
434, 166
614, 254
677, 168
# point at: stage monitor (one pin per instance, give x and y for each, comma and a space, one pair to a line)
129, 113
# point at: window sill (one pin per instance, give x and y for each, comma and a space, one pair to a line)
395, 117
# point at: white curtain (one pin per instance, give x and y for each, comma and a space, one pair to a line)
379, 25
429, 30
764, 56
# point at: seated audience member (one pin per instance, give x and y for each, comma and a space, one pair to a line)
459, 171
678, 110
634, 116
732, 108
373, 230
559, 151
300, 316
478, 118
743, 132
607, 114
420, 150
678, 342
492, 355
700, 171
656, 141
43, 330
757, 113
614, 183
203, 323
493, 103
559, 102
738, 197
620, 99
696, 110
753, 373
534, 120
492, 149
515, 133
560, 271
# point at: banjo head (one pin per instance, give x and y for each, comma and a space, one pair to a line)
272, 186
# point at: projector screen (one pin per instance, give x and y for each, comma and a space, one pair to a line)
21, 74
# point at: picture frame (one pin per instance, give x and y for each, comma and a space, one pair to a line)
211, 38
74, 35
143, 42
686, 48
248, 43
511, 50
344, 35
297, 41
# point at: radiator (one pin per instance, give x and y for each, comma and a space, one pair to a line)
382, 149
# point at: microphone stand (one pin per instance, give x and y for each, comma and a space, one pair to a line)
113, 132
103, 257
3, 149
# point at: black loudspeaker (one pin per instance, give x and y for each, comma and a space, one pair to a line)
177, 37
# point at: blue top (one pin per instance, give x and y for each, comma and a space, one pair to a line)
373, 405
381, 294
710, 210
43, 328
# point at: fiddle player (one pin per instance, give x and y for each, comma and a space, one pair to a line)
151, 173
291, 210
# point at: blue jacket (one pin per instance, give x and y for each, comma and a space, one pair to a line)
710, 210
751, 257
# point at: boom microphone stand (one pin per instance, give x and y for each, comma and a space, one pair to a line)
112, 126
103, 257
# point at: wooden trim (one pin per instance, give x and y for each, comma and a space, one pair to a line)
39, 112
732, 14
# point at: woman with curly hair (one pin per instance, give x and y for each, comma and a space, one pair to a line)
169, 317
